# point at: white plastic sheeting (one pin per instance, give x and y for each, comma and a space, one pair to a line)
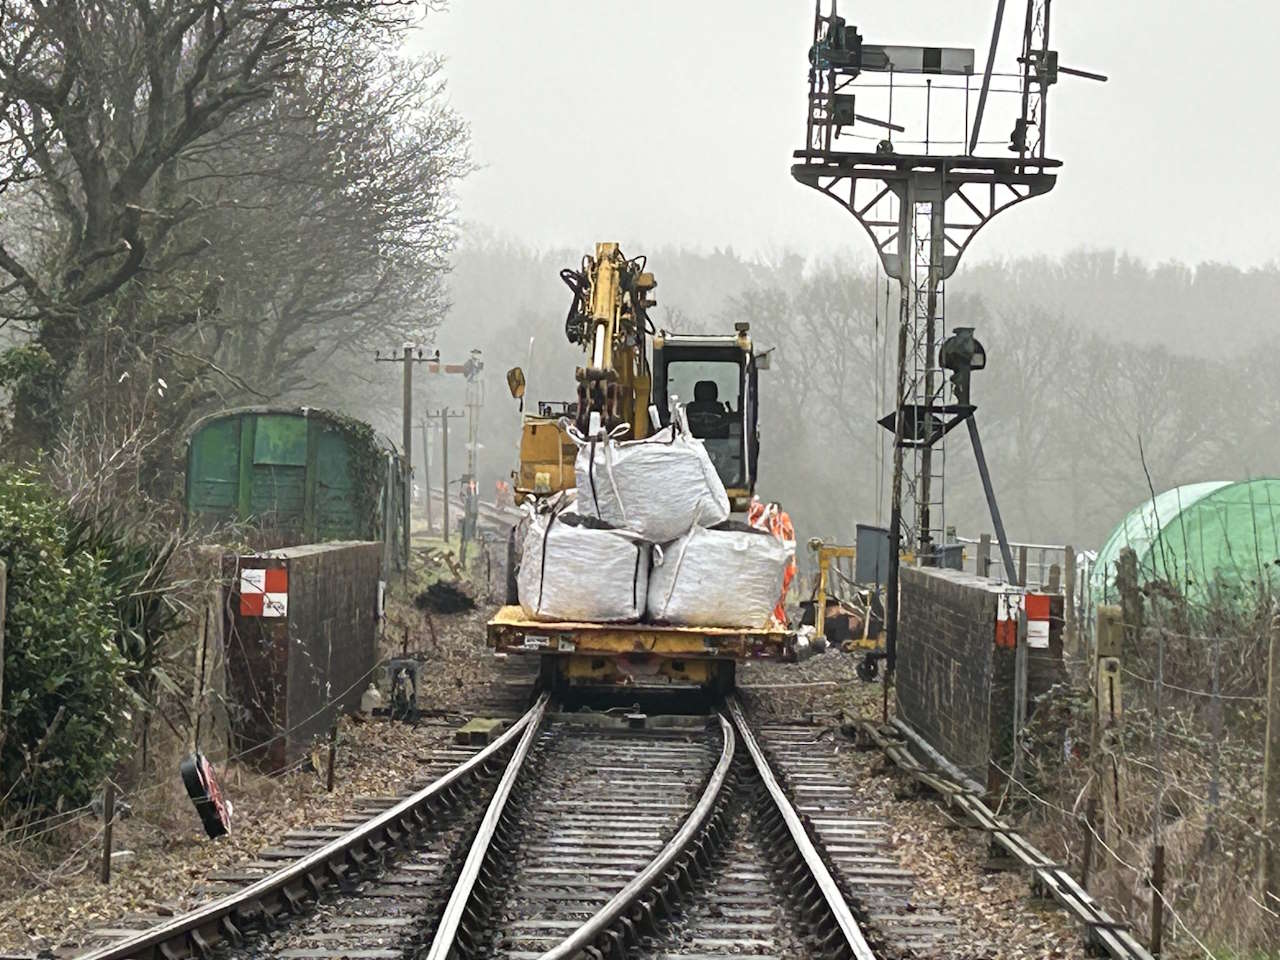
577, 568
729, 577
659, 487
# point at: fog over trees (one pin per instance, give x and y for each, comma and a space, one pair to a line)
1088, 354
244, 201
231, 199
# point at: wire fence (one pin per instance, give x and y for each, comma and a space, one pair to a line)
27, 833
1159, 798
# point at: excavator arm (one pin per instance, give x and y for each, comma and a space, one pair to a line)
608, 319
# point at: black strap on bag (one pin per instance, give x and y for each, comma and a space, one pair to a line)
635, 578
591, 474
542, 571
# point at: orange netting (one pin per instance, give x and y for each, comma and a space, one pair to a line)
771, 517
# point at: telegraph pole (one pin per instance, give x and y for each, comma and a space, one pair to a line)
445, 415
408, 359
426, 471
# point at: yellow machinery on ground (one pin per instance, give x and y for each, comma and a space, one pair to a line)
633, 374
858, 602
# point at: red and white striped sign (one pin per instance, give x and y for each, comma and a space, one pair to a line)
1038, 620
264, 593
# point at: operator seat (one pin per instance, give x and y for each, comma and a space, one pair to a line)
708, 418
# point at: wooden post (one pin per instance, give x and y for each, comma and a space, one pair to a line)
1130, 594
333, 749
1022, 566
1069, 640
1157, 900
1107, 712
407, 439
1086, 856
1269, 859
984, 555
108, 814
2, 601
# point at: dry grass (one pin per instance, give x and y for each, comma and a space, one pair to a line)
49, 887
1188, 770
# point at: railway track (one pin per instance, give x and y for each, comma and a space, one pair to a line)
576, 835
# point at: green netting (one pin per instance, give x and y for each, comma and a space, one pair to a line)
1201, 537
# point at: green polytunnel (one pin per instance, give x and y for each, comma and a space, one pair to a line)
1215, 538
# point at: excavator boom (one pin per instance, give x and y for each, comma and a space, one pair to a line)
627, 367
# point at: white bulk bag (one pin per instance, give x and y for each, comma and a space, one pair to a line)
579, 568
659, 487
725, 577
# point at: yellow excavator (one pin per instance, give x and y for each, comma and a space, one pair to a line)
633, 374
715, 377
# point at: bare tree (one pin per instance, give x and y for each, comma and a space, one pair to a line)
337, 225
99, 102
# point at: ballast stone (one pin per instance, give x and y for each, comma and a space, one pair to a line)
718, 578
659, 487
576, 568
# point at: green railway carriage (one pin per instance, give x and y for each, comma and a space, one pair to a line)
297, 475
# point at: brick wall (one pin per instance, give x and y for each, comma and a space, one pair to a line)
957, 662
289, 675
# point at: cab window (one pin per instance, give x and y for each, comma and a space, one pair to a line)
711, 392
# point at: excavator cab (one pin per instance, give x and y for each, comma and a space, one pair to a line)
715, 378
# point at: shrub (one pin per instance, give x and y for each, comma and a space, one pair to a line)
66, 702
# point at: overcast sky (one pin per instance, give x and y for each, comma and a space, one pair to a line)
668, 122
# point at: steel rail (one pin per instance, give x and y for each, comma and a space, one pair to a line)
847, 928
288, 887
1101, 929
611, 920
442, 945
